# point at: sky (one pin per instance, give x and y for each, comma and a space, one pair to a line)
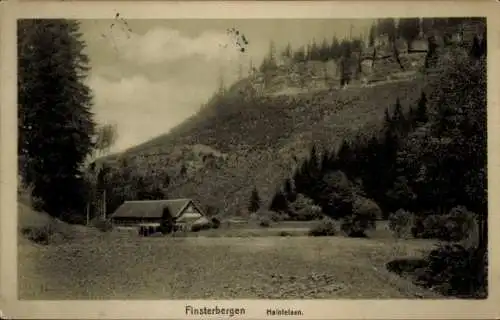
147, 76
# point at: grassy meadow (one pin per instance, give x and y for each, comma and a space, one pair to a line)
239, 262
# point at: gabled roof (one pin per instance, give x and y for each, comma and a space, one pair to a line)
151, 208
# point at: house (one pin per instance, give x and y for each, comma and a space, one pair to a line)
148, 214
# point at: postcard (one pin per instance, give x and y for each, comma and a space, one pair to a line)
253, 160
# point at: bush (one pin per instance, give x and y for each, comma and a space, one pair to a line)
215, 223
264, 222
41, 235
49, 233
364, 216
102, 225
400, 223
269, 215
37, 203
454, 226
460, 223
323, 229
455, 271
304, 209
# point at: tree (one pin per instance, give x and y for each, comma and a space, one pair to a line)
290, 193
409, 29
387, 26
279, 202
431, 57
398, 117
365, 213
105, 138
315, 52
324, 51
421, 112
254, 204
478, 48
167, 221
335, 194
56, 124
335, 51
287, 52
372, 35
427, 26
299, 55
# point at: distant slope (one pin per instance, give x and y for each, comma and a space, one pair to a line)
259, 140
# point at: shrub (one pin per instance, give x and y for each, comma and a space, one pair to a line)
304, 209
400, 223
52, 232
454, 270
215, 223
264, 222
364, 216
103, 225
269, 215
454, 226
41, 235
460, 222
324, 228
37, 203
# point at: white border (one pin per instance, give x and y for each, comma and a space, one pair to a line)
256, 309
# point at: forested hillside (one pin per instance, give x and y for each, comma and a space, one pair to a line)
246, 137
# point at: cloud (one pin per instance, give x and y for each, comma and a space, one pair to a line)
141, 108
162, 44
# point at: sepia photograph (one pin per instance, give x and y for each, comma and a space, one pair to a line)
230, 159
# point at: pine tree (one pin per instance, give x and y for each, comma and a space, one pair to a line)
335, 51
409, 29
372, 35
56, 124
421, 112
478, 48
287, 52
290, 193
315, 51
387, 118
398, 117
279, 202
324, 51
254, 204
387, 26
431, 57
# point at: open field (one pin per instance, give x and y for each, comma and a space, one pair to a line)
119, 266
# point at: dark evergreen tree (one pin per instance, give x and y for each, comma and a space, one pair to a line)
299, 55
56, 124
421, 112
335, 50
432, 56
279, 202
398, 118
254, 204
290, 193
427, 26
388, 27
372, 35
324, 51
409, 29
287, 52
478, 48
